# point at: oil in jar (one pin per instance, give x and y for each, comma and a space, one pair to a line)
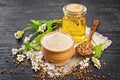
74, 21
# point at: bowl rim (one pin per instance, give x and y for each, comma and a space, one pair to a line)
57, 50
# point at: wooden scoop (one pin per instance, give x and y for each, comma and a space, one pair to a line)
85, 48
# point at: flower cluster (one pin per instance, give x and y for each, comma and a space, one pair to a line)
35, 58
96, 62
84, 63
27, 39
20, 57
42, 28
19, 34
14, 51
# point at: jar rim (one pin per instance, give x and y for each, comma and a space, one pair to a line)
82, 11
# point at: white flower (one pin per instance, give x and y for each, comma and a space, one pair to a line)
40, 54
35, 66
23, 47
27, 39
42, 28
96, 62
14, 51
20, 57
30, 35
87, 59
38, 59
19, 34
84, 63
94, 52
35, 58
29, 54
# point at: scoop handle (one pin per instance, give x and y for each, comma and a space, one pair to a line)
95, 25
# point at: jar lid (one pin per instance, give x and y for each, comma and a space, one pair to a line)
74, 8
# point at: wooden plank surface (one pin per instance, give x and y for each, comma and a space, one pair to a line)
16, 14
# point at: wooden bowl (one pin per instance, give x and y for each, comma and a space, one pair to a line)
57, 47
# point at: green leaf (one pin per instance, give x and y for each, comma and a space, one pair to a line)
98, 50
33, 26
42, 21
37, 23
29, 47
36, 41
35, 44
49, 29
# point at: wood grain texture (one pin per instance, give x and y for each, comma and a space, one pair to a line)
16, 14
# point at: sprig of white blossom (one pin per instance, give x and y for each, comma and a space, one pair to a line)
19, 34
84, 63
42, 28
35, 66
14, 51
27, 39
96, 62
20, 57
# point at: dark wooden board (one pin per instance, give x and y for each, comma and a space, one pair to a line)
16, 14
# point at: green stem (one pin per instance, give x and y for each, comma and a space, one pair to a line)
34, 33
59, 21
26, 28
54, 27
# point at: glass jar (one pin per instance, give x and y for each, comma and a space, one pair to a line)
74, 21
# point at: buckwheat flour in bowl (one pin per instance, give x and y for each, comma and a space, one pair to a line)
57, 47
